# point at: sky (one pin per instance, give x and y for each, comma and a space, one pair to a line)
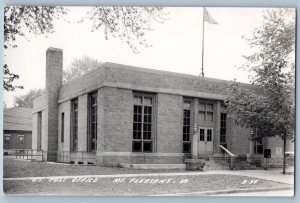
176, 46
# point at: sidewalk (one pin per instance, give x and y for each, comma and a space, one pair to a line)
271, 174
278, 193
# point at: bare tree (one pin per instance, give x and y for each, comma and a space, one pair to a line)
26, 100
79, 67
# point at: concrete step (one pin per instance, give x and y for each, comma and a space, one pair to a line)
244, 165
153, 166
216, 163
246, 168
215, 167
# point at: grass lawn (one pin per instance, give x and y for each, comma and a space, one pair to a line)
136, 185
15, 168
108, 186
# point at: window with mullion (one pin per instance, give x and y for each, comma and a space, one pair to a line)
93, 108
186, 127
223, 128
147, 123
142, 124
74, 125
206, 112
258, 147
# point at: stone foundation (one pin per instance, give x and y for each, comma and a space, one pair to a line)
114, 159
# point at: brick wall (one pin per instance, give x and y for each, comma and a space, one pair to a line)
64, 108
44, 137
14, 142
116, 119
34, 130
82, 122
129, 77
39, 105
276, 142
169, 123
100, 120
115, 84
54, 63
35, 138
89, 82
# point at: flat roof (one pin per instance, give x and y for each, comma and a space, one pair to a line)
17, 118
145, 79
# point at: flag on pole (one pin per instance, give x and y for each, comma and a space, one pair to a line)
207, 17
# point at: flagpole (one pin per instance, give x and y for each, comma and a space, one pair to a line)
202, 68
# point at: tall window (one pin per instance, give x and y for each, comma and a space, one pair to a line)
92, 137
258, 147
206, 111
74, 143
186, 127
39, 131
142, 123
223, 128
62, 138
201, 137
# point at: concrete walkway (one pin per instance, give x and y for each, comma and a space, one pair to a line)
280, 193
272, 174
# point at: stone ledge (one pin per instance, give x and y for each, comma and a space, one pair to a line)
194, 164
153, 166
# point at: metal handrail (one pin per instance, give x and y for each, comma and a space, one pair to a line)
29, 154
227, 151
232, 157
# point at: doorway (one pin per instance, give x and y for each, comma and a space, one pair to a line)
205, 141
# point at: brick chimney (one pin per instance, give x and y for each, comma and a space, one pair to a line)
54, 69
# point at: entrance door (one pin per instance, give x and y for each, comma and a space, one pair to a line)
205, 142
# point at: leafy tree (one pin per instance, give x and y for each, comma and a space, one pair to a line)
8, 79
21, 20
269, 107
79, 67
129, 24
26, 100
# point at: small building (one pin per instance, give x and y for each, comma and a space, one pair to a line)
17, 129
123, 114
